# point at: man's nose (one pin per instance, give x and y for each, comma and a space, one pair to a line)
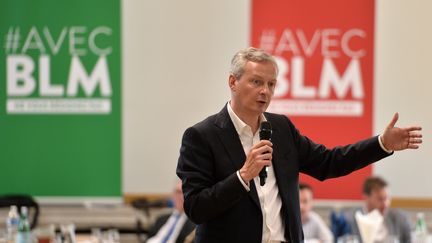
265, 89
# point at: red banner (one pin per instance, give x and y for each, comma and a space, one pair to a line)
324, 50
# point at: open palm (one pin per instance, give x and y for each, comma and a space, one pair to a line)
396, 138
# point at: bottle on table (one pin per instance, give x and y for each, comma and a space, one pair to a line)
12, 222
23, 235
420, 231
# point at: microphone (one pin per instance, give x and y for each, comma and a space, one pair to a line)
265, 134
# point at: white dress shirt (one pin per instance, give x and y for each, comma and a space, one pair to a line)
174, 224
270, 201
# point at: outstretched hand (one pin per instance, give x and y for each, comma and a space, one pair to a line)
396, 138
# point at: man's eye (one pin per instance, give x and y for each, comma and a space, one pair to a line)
272, 84
256, 82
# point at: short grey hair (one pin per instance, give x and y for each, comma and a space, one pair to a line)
250, 54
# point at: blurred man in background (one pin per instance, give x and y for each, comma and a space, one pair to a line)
377, 197
172, 227
314, 227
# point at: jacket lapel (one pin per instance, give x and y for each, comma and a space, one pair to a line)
278, 152
233, 147
281, 165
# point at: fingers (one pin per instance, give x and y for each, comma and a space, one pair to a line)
394, 120
262, 143
264, 159
415, 135
414, 138
413, 146
259, 156
415, 141
264, 146
252, 167
262, 156
413, 128
264, 149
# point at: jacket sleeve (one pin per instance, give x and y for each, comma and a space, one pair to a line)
322, 163
403, 223
205, 197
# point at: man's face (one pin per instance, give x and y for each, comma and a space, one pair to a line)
306, 198
251, 94
378, 199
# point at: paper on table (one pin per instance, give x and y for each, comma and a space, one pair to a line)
311, 241
368, 225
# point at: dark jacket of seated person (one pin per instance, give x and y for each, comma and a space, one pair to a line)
174, 227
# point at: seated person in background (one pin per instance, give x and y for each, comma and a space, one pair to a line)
314, 228
172, 227
376, 196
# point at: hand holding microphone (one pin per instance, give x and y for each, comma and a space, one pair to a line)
259, 157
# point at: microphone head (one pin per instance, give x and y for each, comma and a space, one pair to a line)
265, 130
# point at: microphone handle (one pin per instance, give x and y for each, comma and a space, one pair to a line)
263, 172
263, 175
265, 134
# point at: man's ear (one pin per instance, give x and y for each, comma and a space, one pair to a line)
232, 82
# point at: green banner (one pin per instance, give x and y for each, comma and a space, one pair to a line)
60, 98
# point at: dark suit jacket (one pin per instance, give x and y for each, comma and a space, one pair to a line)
188, 227
215, 199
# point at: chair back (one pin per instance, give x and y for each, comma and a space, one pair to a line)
22, 201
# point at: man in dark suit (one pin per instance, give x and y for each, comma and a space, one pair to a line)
221, 157
173, 227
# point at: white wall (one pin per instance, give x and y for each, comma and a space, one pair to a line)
403, 83
175, 66
175, 72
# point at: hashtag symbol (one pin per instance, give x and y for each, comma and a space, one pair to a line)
268, 40
12, 40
